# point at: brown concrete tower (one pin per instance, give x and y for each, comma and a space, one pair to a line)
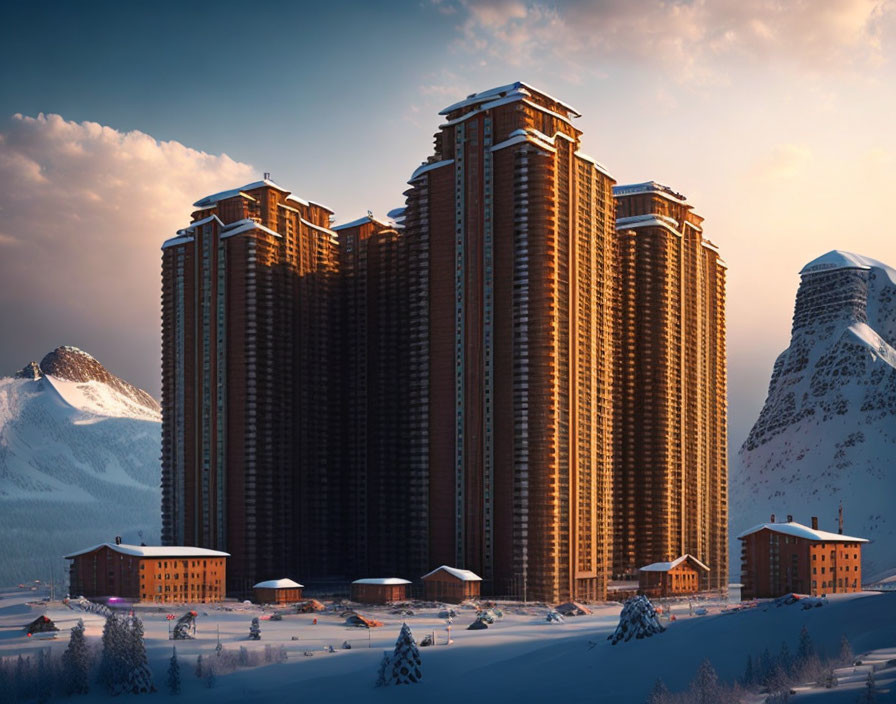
511, 237
249, 447
671, 474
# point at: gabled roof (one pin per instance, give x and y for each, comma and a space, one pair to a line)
666, 566
462, 575
798, 530
381, 580
153, 551
278, 584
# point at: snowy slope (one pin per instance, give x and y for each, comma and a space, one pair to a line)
78, 463
827, 431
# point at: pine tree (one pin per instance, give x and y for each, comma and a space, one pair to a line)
868, 695
23, 678
706, 687
76, 663
406, 661
173, 673
749, 676
846, 655
45, 679
806, 649
383, 671
254, 630
659, 694
199, 667
766, 667
114, 662
139, 676
785, 659
211, 679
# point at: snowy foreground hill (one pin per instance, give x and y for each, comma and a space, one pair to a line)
520, 658
79, 463
827, 432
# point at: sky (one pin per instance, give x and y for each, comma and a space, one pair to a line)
774, 117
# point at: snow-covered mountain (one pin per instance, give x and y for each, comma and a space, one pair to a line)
827, 432
79, 463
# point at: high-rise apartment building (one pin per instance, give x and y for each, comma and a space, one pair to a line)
511, 228
671, 467
250, 374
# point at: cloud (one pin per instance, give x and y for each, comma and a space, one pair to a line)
691, 41
84, 209
784, 161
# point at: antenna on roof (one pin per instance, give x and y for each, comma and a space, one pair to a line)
840, 520
267, 175
370, 214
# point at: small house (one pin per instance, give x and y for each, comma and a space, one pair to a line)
278, 591
451, 584
379, 590
680, 576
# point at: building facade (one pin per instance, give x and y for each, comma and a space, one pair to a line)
250, 451
781, 558
153, 574
671, 447
511, 232
683, 575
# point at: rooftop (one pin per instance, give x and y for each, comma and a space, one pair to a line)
463, 575
798, 530
666, 566
381, 580
209, 201
278, 584
516, 89
153, 551
841, 259
632, 189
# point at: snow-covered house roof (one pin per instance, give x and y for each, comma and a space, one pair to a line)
798, 530
631, 189
666, 566
153, 551
386, 581
278, 584
361, 221
462, 575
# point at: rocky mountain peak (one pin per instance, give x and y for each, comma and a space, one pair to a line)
29, 371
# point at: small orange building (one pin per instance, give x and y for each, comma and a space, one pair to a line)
148, 573
379, 590
680, 576
278, 591
780, 558
451, 584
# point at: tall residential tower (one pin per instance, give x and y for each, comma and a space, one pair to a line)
671, 460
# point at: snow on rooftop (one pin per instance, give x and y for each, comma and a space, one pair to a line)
241, 226
517, 87
840, 259
423, 168
174, 241
279, 584
632, 189
798, 530
666, 566
636, 221
381, 580
361, 221
209, 201
463, 575
153, 551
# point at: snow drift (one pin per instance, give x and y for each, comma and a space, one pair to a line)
827, 431
79, 463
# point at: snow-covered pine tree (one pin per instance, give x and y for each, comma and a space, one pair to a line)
76, 663
22, 678
847, 657
173, 673
766, 667
638, 619
139, 676
383, 671
114, 661
211, 679
659, 694
406, 663
705, 687
199, 667
785, 659
254, 629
